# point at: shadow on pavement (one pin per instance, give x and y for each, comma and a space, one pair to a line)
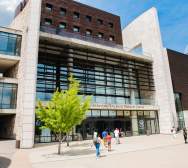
82, 145
4, 162
77, 152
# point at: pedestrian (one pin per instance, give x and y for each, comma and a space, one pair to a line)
104, 135
116, 133
109, 141
95, 134
97, 142
185, 134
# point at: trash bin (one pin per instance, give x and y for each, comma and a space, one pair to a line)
18, 144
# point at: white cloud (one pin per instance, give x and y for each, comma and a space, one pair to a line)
8, 5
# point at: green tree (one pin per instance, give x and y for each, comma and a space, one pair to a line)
65, 110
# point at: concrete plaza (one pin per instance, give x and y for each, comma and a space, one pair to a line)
156, 151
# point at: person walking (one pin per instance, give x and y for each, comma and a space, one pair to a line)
104, 135
97, 142
95, 134
109, 141
185, 134
116, 133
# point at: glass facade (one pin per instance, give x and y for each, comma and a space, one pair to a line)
10, 44
179, 110
8, 96
109, 79
129, 122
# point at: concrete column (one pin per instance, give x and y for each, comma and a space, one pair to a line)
70, 61
134, 120
28, 73
133, 100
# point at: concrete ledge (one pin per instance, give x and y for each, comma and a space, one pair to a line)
7, 111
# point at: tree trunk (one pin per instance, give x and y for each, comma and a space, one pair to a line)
59, 146
67, 139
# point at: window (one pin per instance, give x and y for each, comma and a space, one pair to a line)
111, 25
10, 44
111, 38
63, 12
100, 35
76, 29
100, 22
76, 15
62, 25
48, 22
88, 32
49, 7
88, 18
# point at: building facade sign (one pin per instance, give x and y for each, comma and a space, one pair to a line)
123, 107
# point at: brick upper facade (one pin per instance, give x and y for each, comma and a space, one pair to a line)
72, 14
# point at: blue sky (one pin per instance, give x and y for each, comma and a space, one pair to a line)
173, 16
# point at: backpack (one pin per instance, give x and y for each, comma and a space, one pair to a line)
95, 141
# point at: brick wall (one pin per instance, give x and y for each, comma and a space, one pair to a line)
179, 72
82, 22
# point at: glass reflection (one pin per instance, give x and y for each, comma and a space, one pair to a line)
8, 96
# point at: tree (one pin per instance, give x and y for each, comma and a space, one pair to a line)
65, 110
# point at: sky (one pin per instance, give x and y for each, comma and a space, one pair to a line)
173, 16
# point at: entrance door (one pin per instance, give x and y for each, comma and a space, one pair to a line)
150, 126
141, 126
101, 126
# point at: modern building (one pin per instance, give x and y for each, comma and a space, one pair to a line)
134, 81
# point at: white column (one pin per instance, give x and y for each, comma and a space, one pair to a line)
29, 74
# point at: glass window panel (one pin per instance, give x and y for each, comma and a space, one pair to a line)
48, 96
104, 113
120, 91
153, 126
110, 90
10, 43
127, 113
112, 113
95, 113
88, 113
101, 99
140, 113
100, 90
120, 100
111, 100
7, 93
120, 113
40, 96
147, 113
152, 114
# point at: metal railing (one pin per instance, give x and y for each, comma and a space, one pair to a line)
89, 38
62, 32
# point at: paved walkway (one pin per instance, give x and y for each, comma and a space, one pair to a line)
7, 150
156, 151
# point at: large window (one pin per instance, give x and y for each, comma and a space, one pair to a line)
10, 44
109, 79
8, 93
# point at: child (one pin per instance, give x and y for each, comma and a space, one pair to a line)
109, 141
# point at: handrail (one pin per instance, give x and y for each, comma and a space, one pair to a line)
61, 32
